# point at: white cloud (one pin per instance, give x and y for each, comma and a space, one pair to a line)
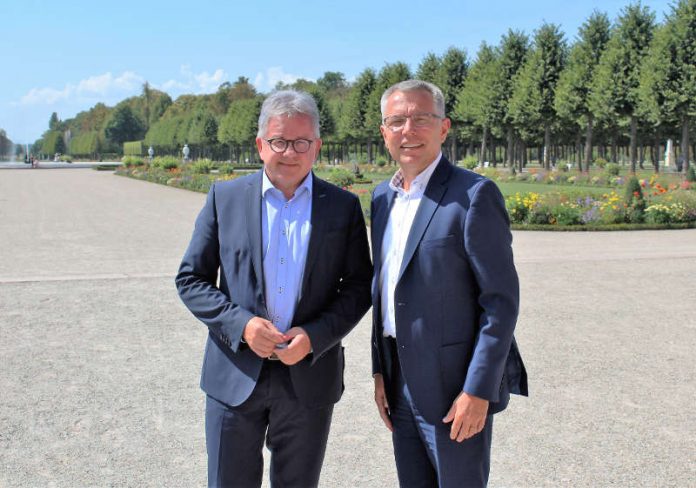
110, 88
268, 80
203, 82
104, 85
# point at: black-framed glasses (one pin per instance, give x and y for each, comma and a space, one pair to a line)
396, 123
280, 145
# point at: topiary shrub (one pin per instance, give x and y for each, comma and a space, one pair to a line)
612, 169
341, 177
469, 162
635, 203
691, 174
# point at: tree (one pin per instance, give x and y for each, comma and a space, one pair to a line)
532, 102
229, 92
476, 101
576, 79
332, 81
240, 124
123, 126
352, 124
54, 122
513, 53
617, 79
429, 68
668, 78
451, 76
389, 75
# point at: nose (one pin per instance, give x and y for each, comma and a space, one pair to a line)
409, 126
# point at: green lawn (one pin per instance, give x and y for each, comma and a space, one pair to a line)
510, 188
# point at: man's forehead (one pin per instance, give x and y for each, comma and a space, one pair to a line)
420, 97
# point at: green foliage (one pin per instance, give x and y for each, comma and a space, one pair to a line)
341, 177
600, 162
612, 169
54, 122
240, 124
575, 80
389, 75
332, 81
451, 75
133, 148
353, 124
691, 174
470, 162
381, 161
226, 169
429, 68
123, 125
477, 101
53, 142
165, 162
633, 198
130, 161
85, 144
532, 103
201, 167
614, 90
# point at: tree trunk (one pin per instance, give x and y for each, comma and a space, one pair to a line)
685, 143
634, 143
588, 143
493, 159
510, 146
641, 155
482, 154
614, 149
523, 154
547, 146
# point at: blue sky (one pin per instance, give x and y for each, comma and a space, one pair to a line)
65, 56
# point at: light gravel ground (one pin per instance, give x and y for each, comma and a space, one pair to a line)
99, 360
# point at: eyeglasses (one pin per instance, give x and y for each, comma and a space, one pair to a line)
280, 145
396, 123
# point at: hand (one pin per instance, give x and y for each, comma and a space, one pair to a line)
381, 401
468, 416
298, 347
262, 336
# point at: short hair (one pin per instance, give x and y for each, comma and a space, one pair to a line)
416, 85
289, 103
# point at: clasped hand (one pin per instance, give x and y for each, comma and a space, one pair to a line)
265, 340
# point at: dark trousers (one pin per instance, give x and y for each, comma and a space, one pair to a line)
295, 435
425, 455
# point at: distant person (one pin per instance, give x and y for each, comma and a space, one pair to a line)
445, 300
278, 269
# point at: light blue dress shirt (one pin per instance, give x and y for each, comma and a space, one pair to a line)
286, 227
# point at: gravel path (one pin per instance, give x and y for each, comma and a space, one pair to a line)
100, 360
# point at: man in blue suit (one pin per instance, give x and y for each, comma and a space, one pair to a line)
445, 300
278, 269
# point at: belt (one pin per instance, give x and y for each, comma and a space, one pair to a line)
272, 358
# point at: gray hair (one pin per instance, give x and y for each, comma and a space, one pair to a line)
416, 85
289, 103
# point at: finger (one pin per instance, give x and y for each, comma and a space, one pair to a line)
450, 415
457, 425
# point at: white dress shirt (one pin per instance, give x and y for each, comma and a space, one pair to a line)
395, 236
286, 227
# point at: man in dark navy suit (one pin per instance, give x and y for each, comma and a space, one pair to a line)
278, 269
445, 300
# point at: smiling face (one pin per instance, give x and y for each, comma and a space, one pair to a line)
414, 148
286, 170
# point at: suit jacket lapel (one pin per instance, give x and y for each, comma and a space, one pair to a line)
379, 224
431, 200
320, 217
253, 216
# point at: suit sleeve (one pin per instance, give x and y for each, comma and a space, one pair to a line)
376, 320
353, 295
196, 281
488, 243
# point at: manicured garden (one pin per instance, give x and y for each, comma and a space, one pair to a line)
604, 199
